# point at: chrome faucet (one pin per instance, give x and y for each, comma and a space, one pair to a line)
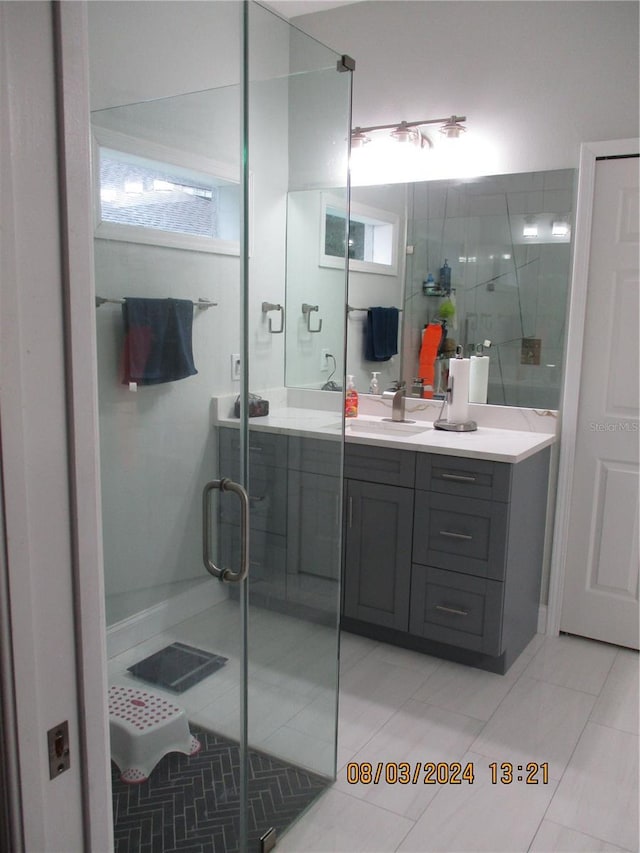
397, 407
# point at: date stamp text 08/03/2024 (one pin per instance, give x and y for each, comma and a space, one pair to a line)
445, 773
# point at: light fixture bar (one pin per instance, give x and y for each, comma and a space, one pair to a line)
447, 120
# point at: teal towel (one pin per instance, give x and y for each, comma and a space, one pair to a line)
381, 334
157, 340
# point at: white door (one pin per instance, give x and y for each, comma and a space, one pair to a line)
601, 573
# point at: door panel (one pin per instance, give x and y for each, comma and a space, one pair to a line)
601, 578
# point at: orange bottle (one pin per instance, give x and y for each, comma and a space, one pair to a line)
351, 399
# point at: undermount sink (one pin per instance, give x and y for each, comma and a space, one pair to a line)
385, 426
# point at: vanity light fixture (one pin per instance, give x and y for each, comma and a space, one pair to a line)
410, 131
530, 227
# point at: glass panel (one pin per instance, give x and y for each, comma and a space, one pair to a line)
175, 635
298, 133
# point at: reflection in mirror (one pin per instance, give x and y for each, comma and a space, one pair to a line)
373, 237
316, 227
506, 240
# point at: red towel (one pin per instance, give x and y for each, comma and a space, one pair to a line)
431, 338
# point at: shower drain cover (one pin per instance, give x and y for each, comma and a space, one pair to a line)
177, 667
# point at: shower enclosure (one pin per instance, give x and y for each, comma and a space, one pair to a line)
191, 179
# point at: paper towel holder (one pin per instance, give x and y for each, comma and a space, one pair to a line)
444, 423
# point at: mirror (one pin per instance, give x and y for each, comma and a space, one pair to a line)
376, 277
507, 242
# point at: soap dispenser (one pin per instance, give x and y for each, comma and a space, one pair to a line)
351, 399
374, 386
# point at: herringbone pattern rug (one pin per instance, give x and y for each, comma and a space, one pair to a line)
191, 804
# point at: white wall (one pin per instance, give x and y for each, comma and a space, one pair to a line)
534, 78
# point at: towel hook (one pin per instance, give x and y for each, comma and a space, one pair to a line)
271, 306
306, 310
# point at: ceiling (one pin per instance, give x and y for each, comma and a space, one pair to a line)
293, 8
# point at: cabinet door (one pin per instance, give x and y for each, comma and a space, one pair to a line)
314, 525
379, 521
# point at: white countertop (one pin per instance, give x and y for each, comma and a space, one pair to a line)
492, 443
499, 445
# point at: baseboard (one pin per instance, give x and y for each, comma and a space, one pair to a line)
151, 621
542, 619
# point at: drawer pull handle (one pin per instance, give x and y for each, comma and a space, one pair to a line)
453, 611
256, 500
255, 448
453, 535
460, 478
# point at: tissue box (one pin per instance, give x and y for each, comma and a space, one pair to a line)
257, 406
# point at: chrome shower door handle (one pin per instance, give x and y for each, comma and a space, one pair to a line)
227, 575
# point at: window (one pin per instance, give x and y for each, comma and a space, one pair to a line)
373, 238
146, 193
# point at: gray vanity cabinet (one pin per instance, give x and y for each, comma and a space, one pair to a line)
477, 553
378, 529
295, 519
449, 564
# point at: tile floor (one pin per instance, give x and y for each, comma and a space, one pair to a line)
567, 701
570, 702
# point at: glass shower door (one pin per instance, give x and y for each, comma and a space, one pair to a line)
220, 690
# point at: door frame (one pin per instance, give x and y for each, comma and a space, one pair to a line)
74, 155
570, 397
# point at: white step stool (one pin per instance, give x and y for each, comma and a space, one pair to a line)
144, 727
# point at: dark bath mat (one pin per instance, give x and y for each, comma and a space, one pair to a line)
192, 804
177, 667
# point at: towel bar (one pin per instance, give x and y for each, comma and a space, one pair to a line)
350, 308
202, 304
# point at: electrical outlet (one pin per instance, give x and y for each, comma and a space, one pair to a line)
235, 366
324, 361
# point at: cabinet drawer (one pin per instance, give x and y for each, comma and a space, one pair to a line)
456, 609
380, 465
264, 448
453, 475
461, 534
315, 455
